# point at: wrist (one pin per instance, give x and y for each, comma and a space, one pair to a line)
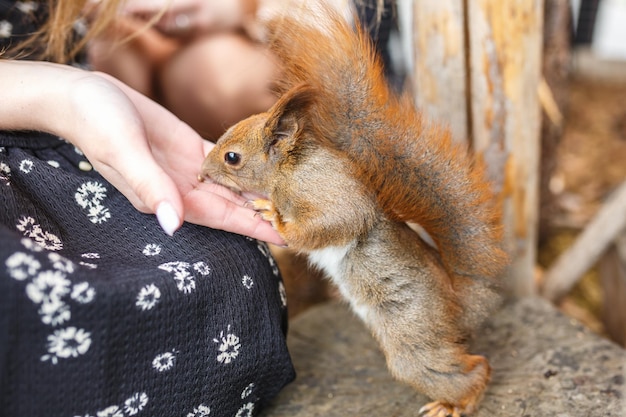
38, 95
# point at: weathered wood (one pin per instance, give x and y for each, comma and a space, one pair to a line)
613, 279
440, 75
544, 364
505, 70
478, 68
556, 65
586, 250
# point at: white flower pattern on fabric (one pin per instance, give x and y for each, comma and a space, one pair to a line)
202, 268
89, 255
185, 281
26, 166
60, 263
49, 241
6, 29
47, 288
282, 294
200, 411
83, 293
246, 410
67, 342
112, 411
151, 249
228, 347
31, 245
247, 391
5, 173
183, 273
265, 250
21, 266
164, 361
54, 313
89, 196
135, 404
247, 281
31, 229
88, 265
26, 6
148, 297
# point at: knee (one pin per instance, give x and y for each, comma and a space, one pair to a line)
217, 81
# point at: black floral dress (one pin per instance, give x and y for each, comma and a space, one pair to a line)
104, 315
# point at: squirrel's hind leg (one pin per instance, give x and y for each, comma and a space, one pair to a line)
456, 386
438, 409
435, 361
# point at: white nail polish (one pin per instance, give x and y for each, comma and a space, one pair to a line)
167, 217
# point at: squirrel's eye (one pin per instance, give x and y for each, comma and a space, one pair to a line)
232, 158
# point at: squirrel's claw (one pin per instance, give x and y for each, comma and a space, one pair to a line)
438, 409
260, 205
263, 208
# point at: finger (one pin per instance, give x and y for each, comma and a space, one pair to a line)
213, 188
207, 146
212, 210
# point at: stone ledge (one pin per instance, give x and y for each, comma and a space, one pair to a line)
544, 364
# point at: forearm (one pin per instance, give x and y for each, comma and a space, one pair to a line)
34, 95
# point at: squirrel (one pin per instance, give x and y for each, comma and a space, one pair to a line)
340, 165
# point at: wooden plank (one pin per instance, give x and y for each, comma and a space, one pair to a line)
505, 70
439, 77
554, 97
586, 250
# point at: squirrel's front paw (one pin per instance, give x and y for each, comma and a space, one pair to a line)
264, 208
439, 409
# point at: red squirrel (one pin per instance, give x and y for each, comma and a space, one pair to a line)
342, 164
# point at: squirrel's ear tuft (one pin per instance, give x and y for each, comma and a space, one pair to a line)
290, 113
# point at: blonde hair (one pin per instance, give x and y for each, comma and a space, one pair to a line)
56, 39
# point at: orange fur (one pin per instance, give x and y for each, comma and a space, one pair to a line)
342, 164
418, 173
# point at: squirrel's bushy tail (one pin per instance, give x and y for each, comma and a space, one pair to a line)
418, 173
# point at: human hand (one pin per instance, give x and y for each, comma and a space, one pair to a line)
148, 154
192, 17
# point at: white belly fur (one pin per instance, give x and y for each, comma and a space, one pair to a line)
331, 260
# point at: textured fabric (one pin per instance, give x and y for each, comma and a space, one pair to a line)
103, 314
19, 19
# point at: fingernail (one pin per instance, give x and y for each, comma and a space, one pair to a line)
167, 217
